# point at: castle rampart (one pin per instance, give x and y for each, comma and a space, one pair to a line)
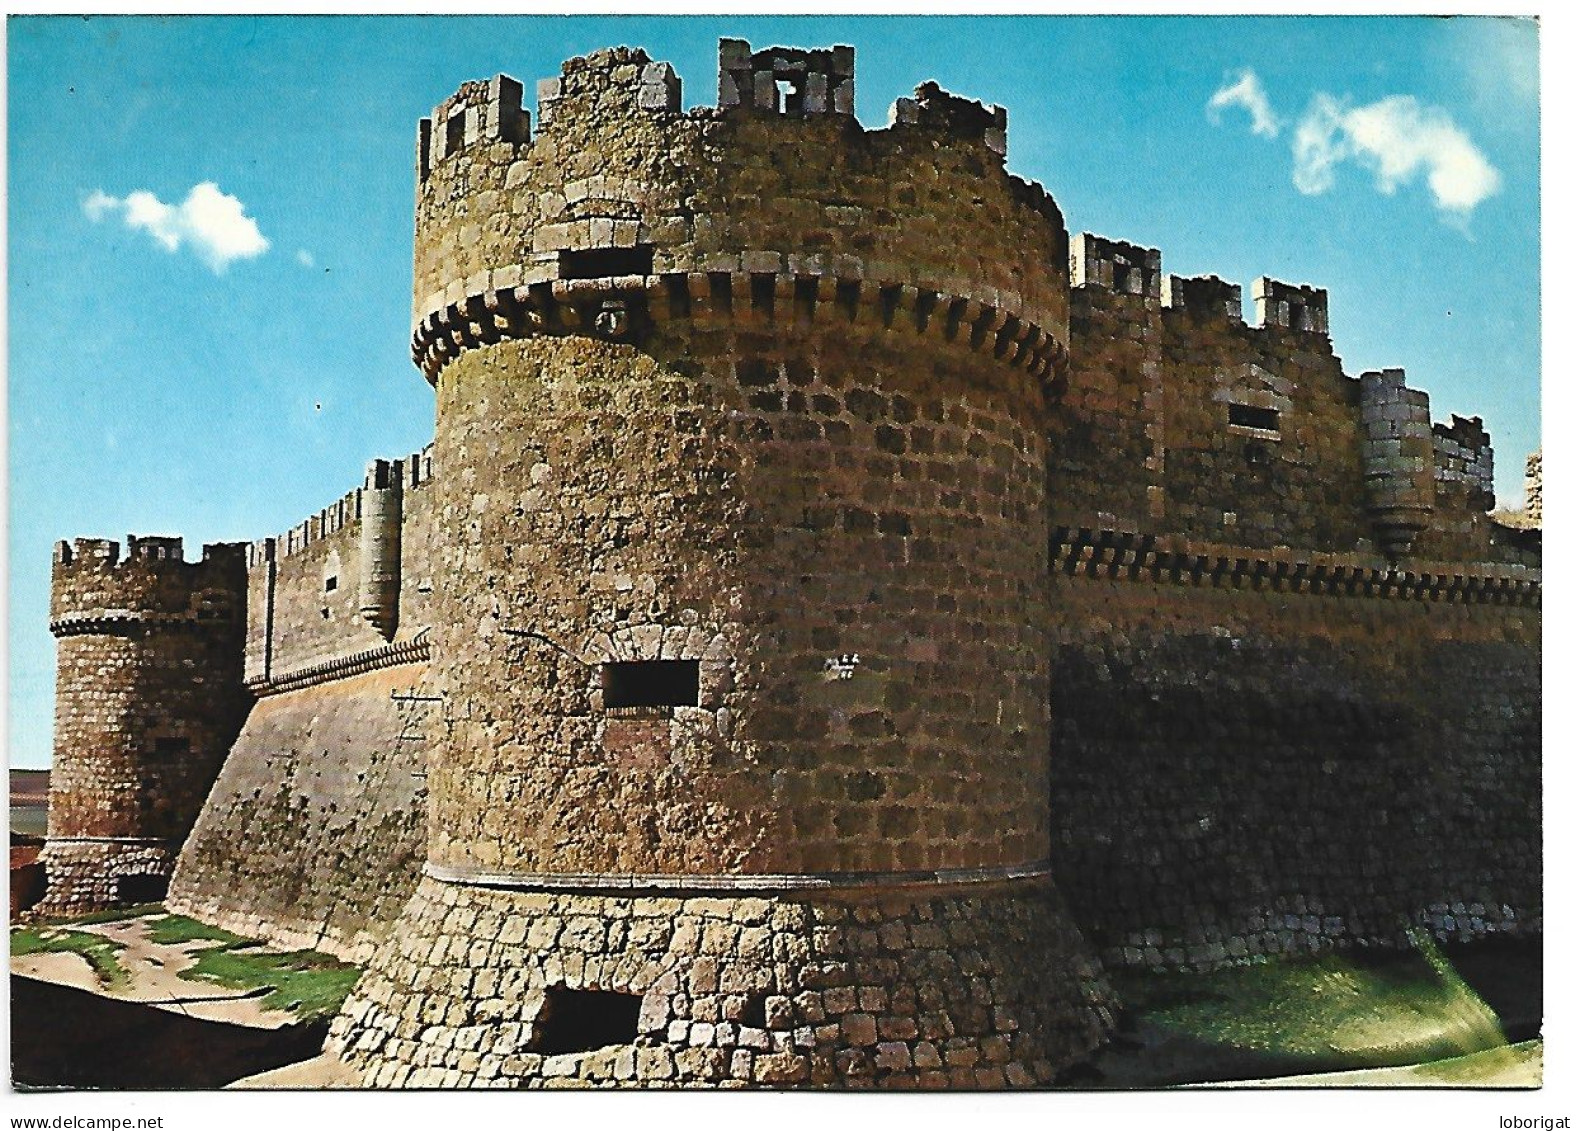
1176, 416
348, 580
313, 833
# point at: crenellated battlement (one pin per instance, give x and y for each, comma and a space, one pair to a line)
94, 589
1462, 452
1290, 306
624, 213
478, 112
1113, 265
413, 471
787, 80
1206, 298
935, 110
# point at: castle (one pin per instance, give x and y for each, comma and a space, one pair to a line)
839, 618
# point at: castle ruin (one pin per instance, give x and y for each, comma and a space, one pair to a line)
838, 618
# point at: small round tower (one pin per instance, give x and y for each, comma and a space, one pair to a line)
741, 630
148, 698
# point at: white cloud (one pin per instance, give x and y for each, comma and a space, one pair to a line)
213, 223
304, 257
1399, 139
1246, 91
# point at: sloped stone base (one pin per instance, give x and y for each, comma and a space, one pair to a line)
888, 988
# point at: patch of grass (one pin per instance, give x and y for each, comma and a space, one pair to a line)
1333, 1012
171, 930
99, 951
311, 984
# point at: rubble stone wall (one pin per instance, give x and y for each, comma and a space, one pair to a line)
893, 990
1246, 771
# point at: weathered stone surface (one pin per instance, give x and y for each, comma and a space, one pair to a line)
1059, 1004
148, 698
313, 834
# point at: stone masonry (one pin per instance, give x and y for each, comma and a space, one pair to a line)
839, 616
148, 701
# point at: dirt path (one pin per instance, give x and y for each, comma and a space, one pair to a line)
323, 1071
154, 971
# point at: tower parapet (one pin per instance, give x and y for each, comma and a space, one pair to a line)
1205, 298
1290, 306
784, 80
1124, 268
148, 699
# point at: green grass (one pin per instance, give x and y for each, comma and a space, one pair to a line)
311, 984
99, 951
306, 982
172, 930
1509, 1066
1333, 1013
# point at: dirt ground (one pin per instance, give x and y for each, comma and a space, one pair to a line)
154, 969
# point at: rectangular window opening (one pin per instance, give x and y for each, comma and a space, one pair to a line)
607, 262
650, 683
583, 1020
1249, 416
331, 584
454, 133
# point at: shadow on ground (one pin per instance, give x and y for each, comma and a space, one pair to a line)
68, 1038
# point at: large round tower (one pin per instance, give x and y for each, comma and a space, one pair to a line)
741, 616
148, 698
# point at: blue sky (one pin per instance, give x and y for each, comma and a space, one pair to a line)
210, 225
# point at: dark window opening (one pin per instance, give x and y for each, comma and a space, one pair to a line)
1249, 416
172, 747
454, 133
142, 888
607, 262
331, 584
754, 1014
1121, 277
583, 1020
650, 683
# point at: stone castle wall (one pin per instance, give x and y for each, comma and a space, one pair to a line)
313, 834
148, 700
1176, 417
309, 598
1241, 769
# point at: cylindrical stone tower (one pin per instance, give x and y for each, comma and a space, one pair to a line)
740, 607
148, 699
1396, 424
